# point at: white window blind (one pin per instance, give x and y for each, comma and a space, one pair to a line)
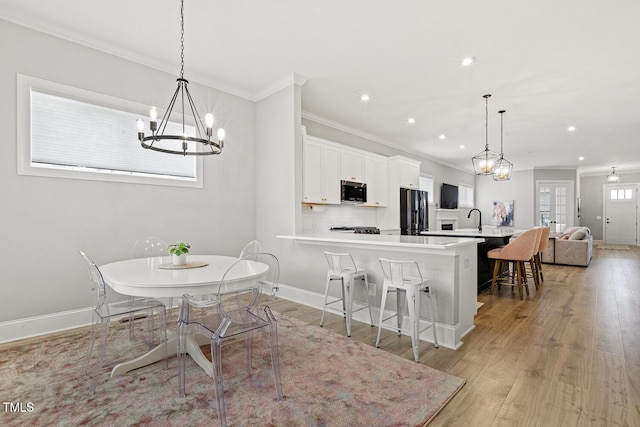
72, 133
68, 132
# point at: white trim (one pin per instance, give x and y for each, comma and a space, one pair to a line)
19, 329
286, 81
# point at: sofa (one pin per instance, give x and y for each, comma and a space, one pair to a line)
572, 247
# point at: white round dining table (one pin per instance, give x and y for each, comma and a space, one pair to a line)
154, 277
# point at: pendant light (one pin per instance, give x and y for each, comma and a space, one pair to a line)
613, 177
484, 162
503, 167
183, 143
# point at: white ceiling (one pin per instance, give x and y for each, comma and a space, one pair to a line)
548, 63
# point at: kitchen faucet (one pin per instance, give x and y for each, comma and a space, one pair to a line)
479, 217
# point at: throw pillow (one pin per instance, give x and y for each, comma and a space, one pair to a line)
578, 235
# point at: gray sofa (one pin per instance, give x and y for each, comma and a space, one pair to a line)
573, 247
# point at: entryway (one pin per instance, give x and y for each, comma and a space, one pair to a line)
621, 214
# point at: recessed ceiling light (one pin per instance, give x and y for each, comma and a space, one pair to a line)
467, 61
581, 158
411, 120
442, 136
365, 97
462, 147
571, 128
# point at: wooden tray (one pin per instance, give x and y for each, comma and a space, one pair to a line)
193, 264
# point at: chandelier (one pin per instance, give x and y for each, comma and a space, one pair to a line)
484, 162
183, 143
503, 167
613, 177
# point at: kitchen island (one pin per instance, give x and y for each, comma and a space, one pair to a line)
492, 237
450, 263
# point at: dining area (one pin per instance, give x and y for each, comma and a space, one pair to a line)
219, 298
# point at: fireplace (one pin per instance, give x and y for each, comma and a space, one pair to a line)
447, 226
446, 219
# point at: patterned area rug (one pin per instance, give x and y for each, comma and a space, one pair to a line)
328, 380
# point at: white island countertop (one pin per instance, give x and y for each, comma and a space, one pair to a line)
385, 240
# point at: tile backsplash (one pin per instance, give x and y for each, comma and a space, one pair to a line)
320, 218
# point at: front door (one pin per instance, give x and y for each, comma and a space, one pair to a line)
555, 204
620, 213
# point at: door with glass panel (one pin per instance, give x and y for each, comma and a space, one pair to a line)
620, 213
555, 204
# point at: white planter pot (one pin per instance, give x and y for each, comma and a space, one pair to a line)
179, 259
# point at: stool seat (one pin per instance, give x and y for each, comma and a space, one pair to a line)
518, 251
405, 279
343, 268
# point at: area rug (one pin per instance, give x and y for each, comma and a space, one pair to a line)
327, 379
614, 247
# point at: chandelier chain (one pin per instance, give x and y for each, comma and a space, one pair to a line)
182, 39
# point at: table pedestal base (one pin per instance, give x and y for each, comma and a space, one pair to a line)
155, 355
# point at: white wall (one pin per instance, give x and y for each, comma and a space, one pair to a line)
519, 189
45, 221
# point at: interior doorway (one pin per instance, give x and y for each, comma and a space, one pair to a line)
621, 214
555, 206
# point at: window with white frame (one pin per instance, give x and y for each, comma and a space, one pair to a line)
426, 184
465, 196
73, 133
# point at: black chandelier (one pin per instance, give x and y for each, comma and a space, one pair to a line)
166, 143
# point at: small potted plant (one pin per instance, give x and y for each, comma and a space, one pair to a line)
179, 250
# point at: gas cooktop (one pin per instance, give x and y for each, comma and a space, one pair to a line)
358, 230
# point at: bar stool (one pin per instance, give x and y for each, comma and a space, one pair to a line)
544, 240
342, 267
518, 251
405, 278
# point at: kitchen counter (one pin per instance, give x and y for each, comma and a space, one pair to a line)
450, 264
492, 237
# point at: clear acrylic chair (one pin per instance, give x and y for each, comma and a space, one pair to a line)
151, 247
102, 314
343, 268
251, 248
405, 279
229, 313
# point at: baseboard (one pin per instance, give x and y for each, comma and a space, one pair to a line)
15, 330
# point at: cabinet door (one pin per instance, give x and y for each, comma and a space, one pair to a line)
330, 174
376, 176
409, 174
351, 166
312, 175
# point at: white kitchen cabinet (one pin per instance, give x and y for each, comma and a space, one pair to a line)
351, 165
320, 172
376, 175
409, 173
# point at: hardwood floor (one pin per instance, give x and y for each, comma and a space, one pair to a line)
567, 355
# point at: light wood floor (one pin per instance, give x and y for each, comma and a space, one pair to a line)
568, 355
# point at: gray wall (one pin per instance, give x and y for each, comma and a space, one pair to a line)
45, 221
519, 189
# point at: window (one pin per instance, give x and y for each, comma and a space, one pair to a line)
426, 184
465, 196
72, 133
621, 194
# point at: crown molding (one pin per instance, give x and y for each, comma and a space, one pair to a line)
359, 133
284, 82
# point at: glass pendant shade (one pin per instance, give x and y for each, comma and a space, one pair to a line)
484, 163
613, 177
503, 167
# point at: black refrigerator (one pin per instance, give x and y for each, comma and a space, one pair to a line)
414, 214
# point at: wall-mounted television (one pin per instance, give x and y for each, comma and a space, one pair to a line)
449, 196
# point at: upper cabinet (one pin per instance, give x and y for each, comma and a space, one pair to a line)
320, 171
376, 175
352, 165
409, 173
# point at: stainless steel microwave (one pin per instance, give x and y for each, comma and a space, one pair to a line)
353, 192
